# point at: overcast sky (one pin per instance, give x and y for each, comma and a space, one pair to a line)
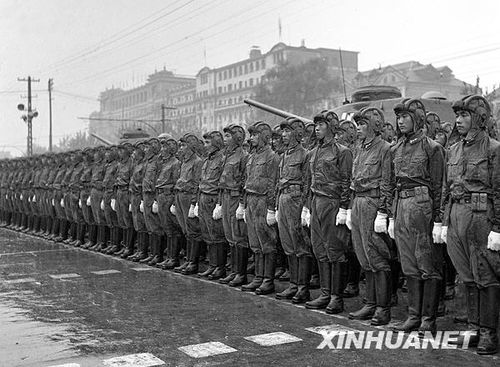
86, 46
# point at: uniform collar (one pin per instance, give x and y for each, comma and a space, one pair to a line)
473, 136
415, 137
372, 142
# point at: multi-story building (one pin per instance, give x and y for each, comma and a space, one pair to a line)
208, 101
414, 79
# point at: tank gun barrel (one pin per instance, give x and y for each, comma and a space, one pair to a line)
274, 110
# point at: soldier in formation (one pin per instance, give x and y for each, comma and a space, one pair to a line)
348, 198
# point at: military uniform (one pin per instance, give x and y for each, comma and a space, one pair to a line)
124, 215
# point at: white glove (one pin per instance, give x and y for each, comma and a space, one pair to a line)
62, 203
341, 217
21, 197
130, 208
141, 206
102, 204
195, 210
217, 213
244, 215
34, 199
277, 215
88, 201
437, 231
7, 196
305, 217
29, 199
113, 204
348, 220
53, 202
270, 217
80, 203
390, 230
240, 212
444, 234
154, 207
191, 211
172, 209
494, 241
380, 224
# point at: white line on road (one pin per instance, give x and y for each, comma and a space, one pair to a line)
106, 272
134, 360
273, 339
21, 280
143, 268
34, 252
341, 330
67, 365
64, 276
206, 349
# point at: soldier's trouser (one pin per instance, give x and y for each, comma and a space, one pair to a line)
76, 212
67, 199
290, 225
124, 216
261, 237
190, 226
61, 214
152, 219
109, 213
86, 209
467, 245
372, 249
137, 217
235, 230
168, 221
413, 233
329, 242
95, 203
212, 230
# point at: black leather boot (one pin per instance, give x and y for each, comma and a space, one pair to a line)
303, 279
173, 261
314, 282
233, 266
293, 265
368, 310
156, 250
267, 285
430, 302
166, 248
220, 261
180, 268
472, 299
129, 243
259, 274
489, 304
339, 275
148, 239
325, 280
192, 267
415, 288
383, 297
241, 254
142, 246
212, 260
353, 273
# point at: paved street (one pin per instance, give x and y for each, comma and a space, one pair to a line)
62, 306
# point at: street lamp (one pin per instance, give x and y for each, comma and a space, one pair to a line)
28, 117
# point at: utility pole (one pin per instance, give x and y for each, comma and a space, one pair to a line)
29, 117
50, 85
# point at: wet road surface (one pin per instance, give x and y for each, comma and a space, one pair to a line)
63, 306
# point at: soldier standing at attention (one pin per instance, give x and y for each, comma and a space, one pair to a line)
472, 218
371, 185
330, 166
419, 171
291, 197
260, 186
185, 201
231, 204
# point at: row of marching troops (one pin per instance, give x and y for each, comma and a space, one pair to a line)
325, 200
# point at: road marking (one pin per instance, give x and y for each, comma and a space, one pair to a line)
143, 268
273, 339
34, 252
21, 280
340, 329
67, 365
134, 360
64, 276
106, 272
206, 349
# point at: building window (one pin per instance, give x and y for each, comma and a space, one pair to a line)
251, 82
229, 87
246, 84
257, 65
241, 84
246, 68
240, 70
220, 76
204, 79
251, 67
230, 72
263, 63
225, 74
